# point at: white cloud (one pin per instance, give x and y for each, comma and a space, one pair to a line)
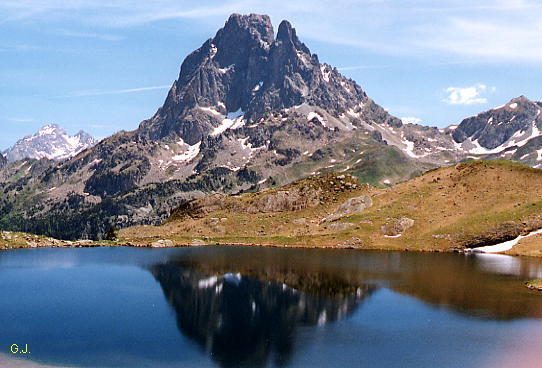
486, 30
112, 92
467, 95
100, 36
410, 120
22, 120
488, 38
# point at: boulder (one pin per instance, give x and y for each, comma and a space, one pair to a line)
396, 226
351, 206
285, 200
162, 244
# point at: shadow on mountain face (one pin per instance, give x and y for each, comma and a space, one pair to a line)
246, 321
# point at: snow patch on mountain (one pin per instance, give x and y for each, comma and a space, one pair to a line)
234, 120
190, 152
314, 115
518, 139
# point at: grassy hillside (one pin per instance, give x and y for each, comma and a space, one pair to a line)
466, 205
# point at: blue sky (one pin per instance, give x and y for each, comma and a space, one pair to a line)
103, 66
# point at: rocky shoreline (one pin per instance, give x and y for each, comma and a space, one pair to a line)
29, 241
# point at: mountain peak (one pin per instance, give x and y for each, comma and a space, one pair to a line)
512, 124
259, 23
244, 69
520, 100
286, 31
255, 27
287, 35
50, 129
51, 142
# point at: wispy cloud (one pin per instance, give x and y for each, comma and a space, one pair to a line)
467, 95
100, 36
487, 30
398, 66
502, 40
22, 120
112, 92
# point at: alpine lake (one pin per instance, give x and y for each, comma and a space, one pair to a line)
232, 306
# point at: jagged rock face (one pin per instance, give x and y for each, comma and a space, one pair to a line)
50, 142
218, 74
510, 125
3, 161
244, 69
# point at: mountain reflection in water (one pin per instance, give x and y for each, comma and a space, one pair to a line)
246, 306
244, 321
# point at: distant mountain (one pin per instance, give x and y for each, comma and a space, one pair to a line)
512, 124
50, 142
512, 131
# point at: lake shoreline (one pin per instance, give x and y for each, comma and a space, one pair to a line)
164, 243
13, 240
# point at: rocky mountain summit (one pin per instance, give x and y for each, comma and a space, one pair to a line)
50, 142
244, 71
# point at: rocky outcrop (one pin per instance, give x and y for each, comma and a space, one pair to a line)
351, 206
501, 233
396, 226
163, 243
293, 199
339, 226
285, 200
534, 284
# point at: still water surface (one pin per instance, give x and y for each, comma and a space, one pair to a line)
262, 307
